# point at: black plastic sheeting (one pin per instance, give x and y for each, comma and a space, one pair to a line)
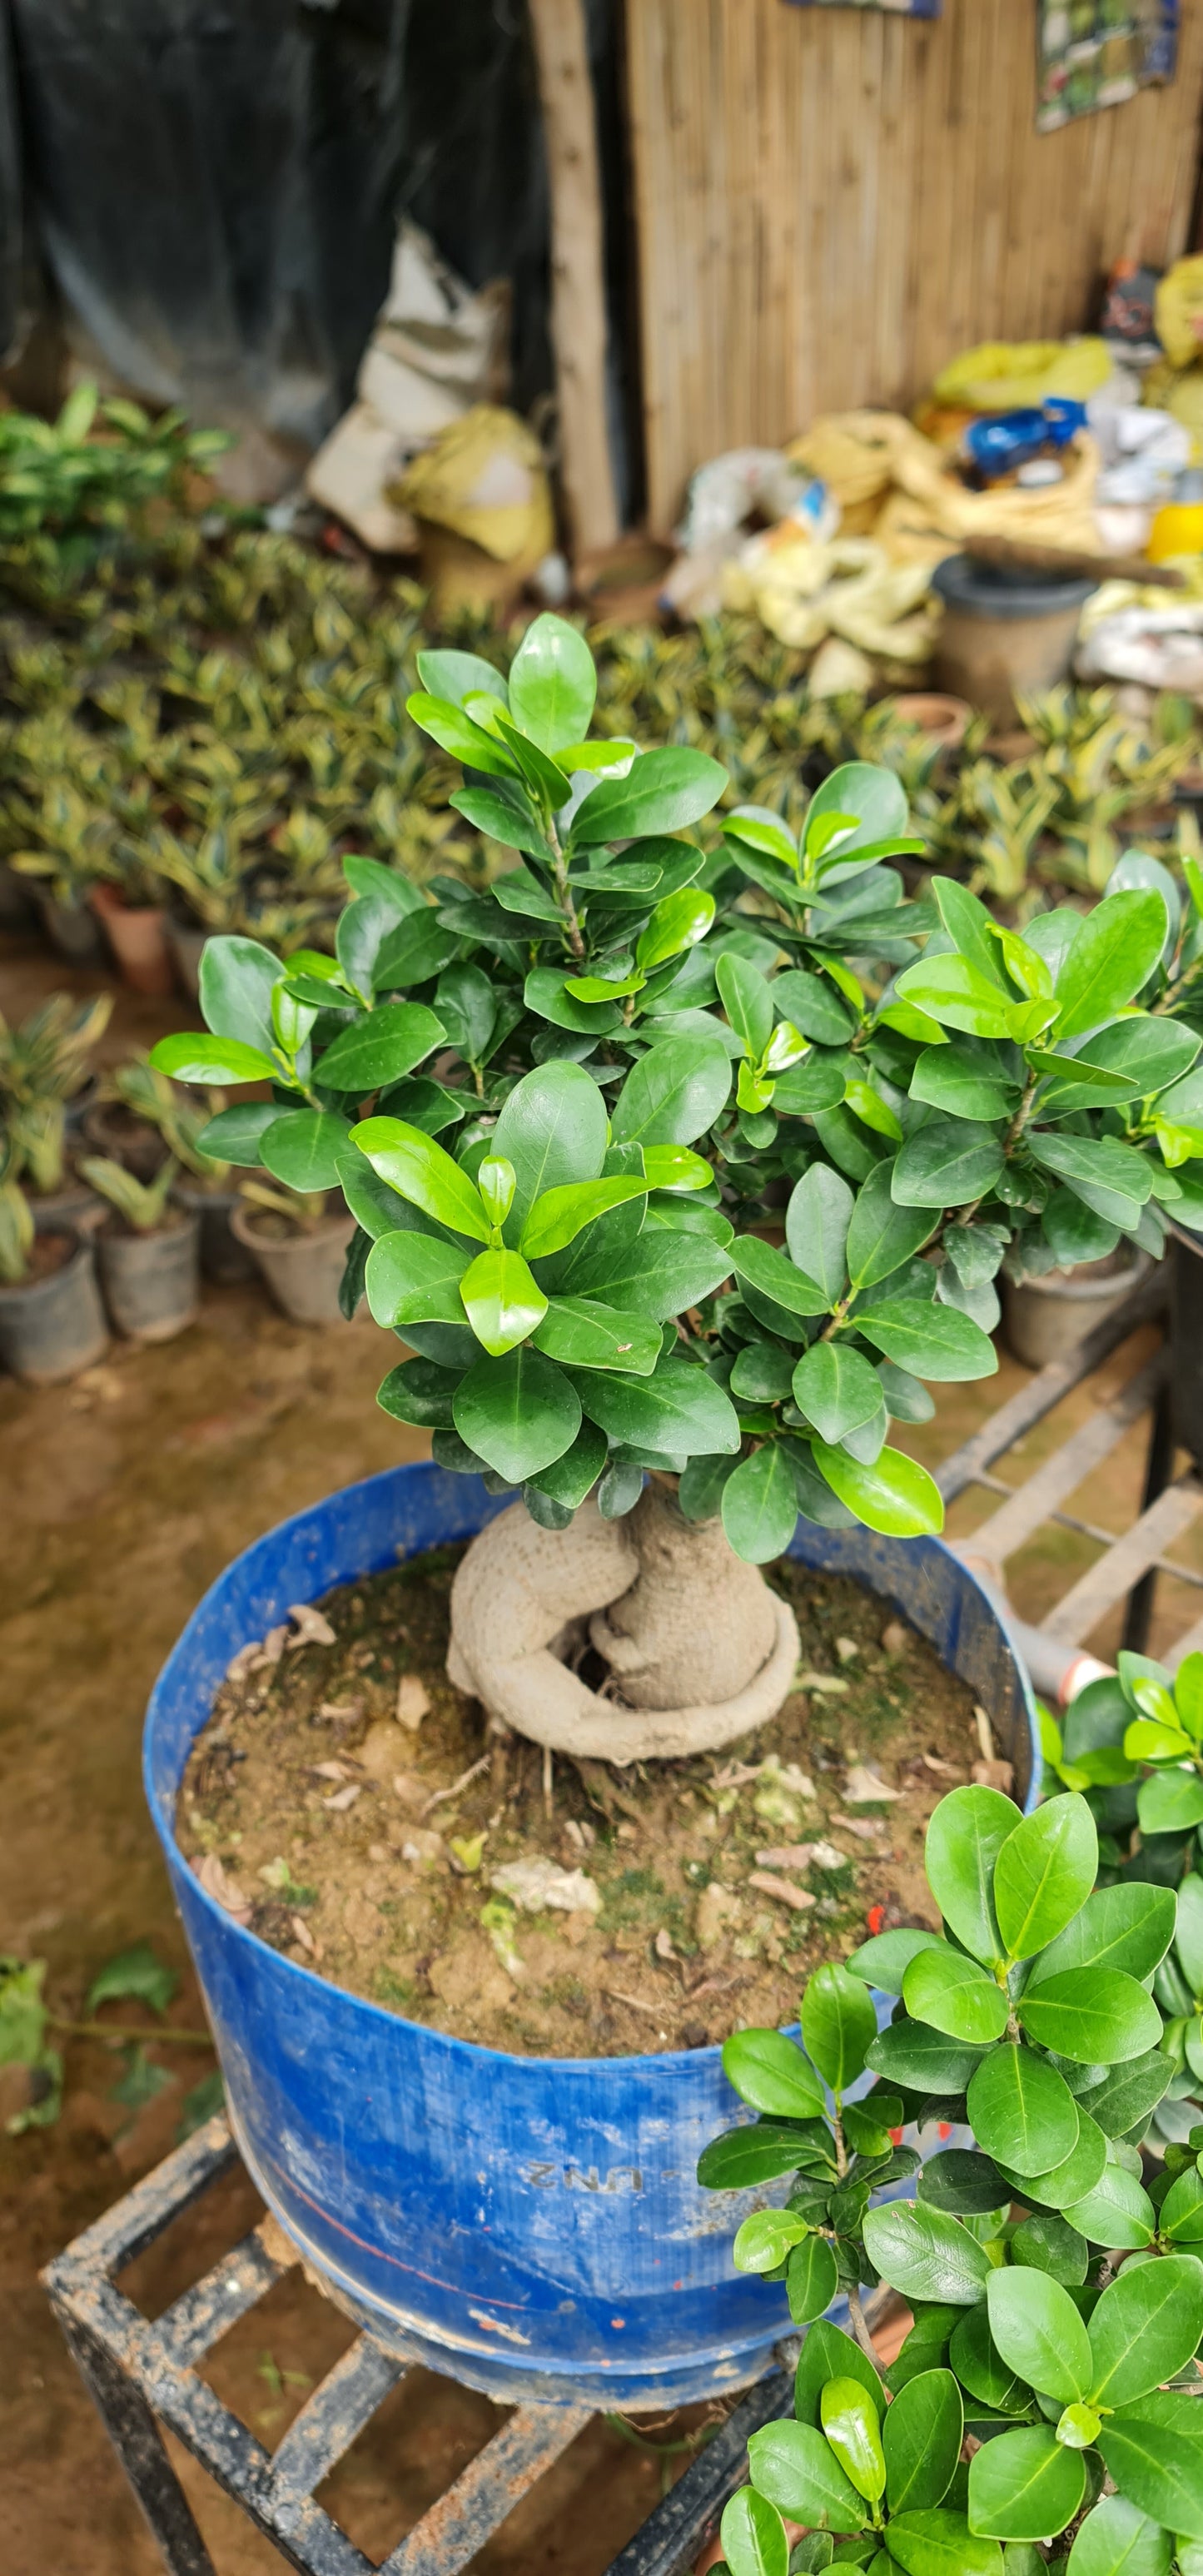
214, 186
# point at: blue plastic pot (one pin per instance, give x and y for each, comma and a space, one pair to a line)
531, 2225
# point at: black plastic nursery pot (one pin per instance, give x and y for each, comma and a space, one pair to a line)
151, 1281
301, 1270
53, 1326
1186, 1338
223, 1259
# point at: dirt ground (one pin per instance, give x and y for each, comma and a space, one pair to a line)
121, 1499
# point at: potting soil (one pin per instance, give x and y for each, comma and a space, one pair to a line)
357, 1812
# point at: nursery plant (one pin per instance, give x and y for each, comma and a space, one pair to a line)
1055, 2281
141, 1206
575, 1114
43, 1064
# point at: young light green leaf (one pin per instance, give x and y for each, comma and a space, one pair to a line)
501, 1299
964, 1838
765, 2239
849, 2423
415, 1166
1170, 1803
1044, 1874
552, 684
456, 733
776, 1276
236, 981
895, 1495
194, 1057
414, 1278
559, 1215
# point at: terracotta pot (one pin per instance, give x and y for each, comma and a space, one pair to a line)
53, 1326
137, 935
301, 1271
1045, 1318
943, 720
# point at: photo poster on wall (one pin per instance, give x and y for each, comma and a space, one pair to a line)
1099, 53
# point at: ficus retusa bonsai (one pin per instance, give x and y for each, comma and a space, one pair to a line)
574, 1115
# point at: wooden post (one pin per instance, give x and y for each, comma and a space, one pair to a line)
578, 285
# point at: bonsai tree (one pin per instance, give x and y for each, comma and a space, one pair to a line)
1056, 2285
575, 1115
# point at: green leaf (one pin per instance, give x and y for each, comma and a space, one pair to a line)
456, 733
302, 1148
1066, 2184
827, 2353
922, 2059
958, 996
964, 1838
741, 2159
895, 1495
678, 1410
941, 2544
1170, 1803
838, 2024
1190, 1927
1044, 1874
962, 2181
871, 793
582, 1332
133, 1973
661, 1275
1021, 2111
235, 1134
795, 2468
1094, 2016
811, 2280
1124, 2097
414, 1278
934, 1341
966, 1083
674, 1094
664, 791
380, 1048
547, 992
1025, 2486
456, 676
850, 2425
552, 1129
1110, 1178
836, 1389
1181, 2214
559, 1215
812, 1007
1117, 2213
753, 2536
501, 1299
1145, 2329
775, 1275
760, 1506
574, 1474
467, 1006
409, 953
1127, 1926
553, 684
236, 981
1113, 955
1117, 2540
419, 1170
1157, 2470
676, 925
764, 2241
921, 2437
979, 2366
419, 1392
197, 1058
884, 1960
925, 2253
771, 2074
881, 1234
518, 1413
955, 1995
947, 1163
1047, 2243
1039, 2333
817, 1222
747, 1001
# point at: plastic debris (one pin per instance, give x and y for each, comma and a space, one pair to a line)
538, 1884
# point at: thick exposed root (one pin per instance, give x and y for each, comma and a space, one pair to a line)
701, 1650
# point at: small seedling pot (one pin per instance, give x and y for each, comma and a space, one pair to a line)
223, 1259
72, 1207
137, 935
1002, 634
72, 929
151, 1282
1045, 1318
301, 1270
117, 1132
52, 1324
943, 720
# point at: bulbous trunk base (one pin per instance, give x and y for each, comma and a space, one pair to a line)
699, 1648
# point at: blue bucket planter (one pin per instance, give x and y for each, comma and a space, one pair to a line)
532, 2225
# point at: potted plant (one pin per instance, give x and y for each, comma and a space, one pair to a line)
147, 1251
45, 1073
130, 906
139, 1119
51, 1319
297, 1241
573, 1117
1053, 2270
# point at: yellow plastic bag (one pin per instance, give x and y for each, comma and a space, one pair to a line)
805, 592
928, 512
1014, 375
1179, 312
484, 478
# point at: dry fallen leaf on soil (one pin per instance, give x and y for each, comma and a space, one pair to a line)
662, 1945
943, 1770
305, 1936
994, 1775
863, 1788
413, 1701
344, 1798
783, 1889
866, 1828
894, 1637
217, 1883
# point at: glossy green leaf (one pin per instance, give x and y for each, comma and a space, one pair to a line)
934, 1341
850, 2426
964, 1837
1180, 2217
1111, 1178
836, 1388
811, 2280
419, 1392
1117, 2540
980, 2368
817, 1222
838, 2024
1129, 1926
926, 2254
192, 1056
776, 1276
455, 732
967, 1084
959, 996
1158, 2471
1094, 2016
552, 684
381, 1048
1112, 957
659, 1276
947, 1163
829, 2353
1044, 1874
940, 2543
747, 1001
419, 1170
676, 925
884, 1960
1124, 2097
677, 1410
1039, 2333
924, 2060
235, 1134
559, 1215
961, 2180
583, 1332
302, 1148
760, 1505
414, 1278
664, 791
881, 1234
955, 1995
1064, 2185
895, 1495
235, 985
753, 2536
1170, 1803
921, 2437
796, 2469
674, 1094
501, 1299
770, 2073
456, 676
1046, 2242
744, 2158
1117, 2213
552, 1129
1145, 2328
765, 2239
1021, 2111
1025, 2486
518, 1413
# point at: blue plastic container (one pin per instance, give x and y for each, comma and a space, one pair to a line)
531, 2225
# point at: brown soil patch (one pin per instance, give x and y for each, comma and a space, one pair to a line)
368, 1849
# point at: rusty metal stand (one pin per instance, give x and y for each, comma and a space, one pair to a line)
141, 2375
